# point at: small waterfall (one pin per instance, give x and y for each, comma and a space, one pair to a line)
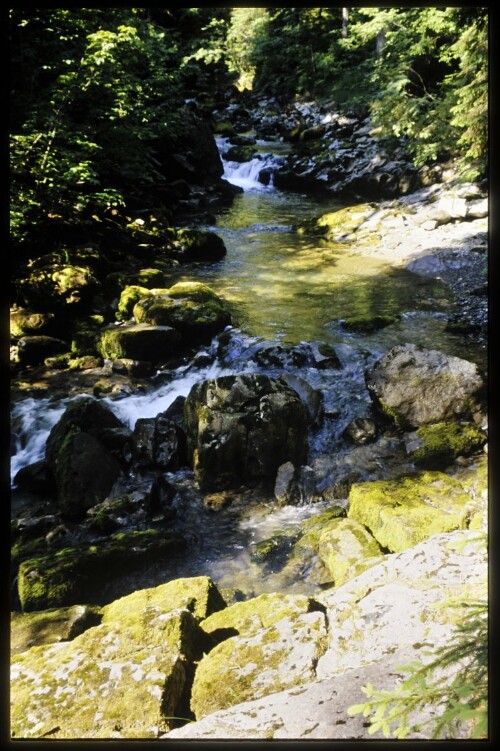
246, 174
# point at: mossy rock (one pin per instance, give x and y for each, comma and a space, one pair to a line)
140, 342
475, 481
368, 324
338, 224
274, 551
224, 128
347, 548
259, 612
265, 661
198, 594
50, 626
58, 362
440, 444
77, 574
55, 286
240, 153
112, 681
191, 308
24, 322
401, 513
86, 362
128, 298
85, 335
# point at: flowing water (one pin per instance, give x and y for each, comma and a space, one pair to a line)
283, 287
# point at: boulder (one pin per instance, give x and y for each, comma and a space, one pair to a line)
33, 350
367, 324
347, 548
140, 341
191, 308
128, 298
401, 513
416, 386
76, 452
277, 644
116, 680
73, 575
49, 285
188, 151
243, 427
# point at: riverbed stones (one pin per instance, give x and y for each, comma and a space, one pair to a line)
140, 341
192, 245
416, 386
242, 428
401, 513
157, 441
361, 430
294, 485
25, 322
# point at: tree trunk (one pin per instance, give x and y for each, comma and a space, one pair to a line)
345, 21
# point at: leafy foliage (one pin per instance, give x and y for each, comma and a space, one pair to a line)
463, 698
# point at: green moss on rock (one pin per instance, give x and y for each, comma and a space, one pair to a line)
337, 224
400, 513
77, 574
50, 626
444, 441
347, 548
140, 342
198, 594
368, 324
128, 298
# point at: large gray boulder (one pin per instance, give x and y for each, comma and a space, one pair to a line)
242, 428
416, 386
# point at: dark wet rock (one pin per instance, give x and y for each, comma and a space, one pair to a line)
35, 478
85, 473
282, 356
140, 342
158, 442
325, 357
361, 430
242, 428
274, 551
312, 398
295, 485
191, 152
160, 499
415, 386
198, 245
133, 368
83, 467
77, 574
33, 350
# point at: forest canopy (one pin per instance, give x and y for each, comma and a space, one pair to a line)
94, 90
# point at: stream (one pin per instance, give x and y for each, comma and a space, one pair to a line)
288, 289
